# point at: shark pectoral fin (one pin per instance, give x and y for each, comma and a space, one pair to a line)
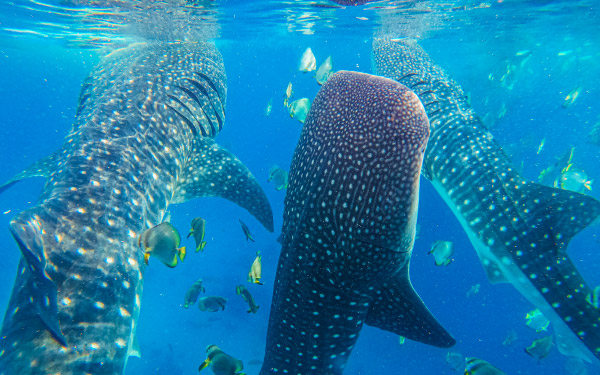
397, 308
134, 350
564, 212
214, 171
43, 291
41, 168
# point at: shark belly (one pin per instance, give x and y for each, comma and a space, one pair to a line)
349, 226
519, 229
142, 140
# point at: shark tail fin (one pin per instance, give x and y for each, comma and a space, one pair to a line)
397, 308
41, 168
562, 212
44, 294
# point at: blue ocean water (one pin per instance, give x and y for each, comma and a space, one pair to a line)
40, 80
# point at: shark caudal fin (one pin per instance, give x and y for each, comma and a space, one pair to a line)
397, 308
214, 171
42, 290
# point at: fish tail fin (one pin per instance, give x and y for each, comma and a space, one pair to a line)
182, 253
201, 246
26, 231
204, 364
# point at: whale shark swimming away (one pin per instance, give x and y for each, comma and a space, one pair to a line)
519, 229
141, 140
349, 227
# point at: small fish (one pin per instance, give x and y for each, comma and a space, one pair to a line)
511, 336
537, 321
255, 273
541, 146
288, 95
502, 111
524, 52
540, 348
241, 290
269, 108
191, 296
442, 252
198, 230
476, 366
299, 109
246, 231
308, 63
162, 242
474, 290
571, 97
565, 53
6, 212
574, 180
279, 177
212, 303
324, 71
455, 360
401, 340
221, 363
593, 297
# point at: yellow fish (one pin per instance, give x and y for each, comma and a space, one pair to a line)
198, 229
255, 273
299, 109
221, 363
571, 97
541, 146
162, 242
288, 95
308, 63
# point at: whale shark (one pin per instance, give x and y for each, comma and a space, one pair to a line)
349, 227
142, 139
519, 229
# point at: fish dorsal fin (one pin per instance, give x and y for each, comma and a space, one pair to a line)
561, 212
41, 168
134, 350
43, 292
397, 308
214, 171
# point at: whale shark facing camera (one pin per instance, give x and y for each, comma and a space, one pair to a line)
142, 140
349, 227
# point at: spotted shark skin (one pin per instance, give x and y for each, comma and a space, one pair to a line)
349, 226
519, 229
141, 140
